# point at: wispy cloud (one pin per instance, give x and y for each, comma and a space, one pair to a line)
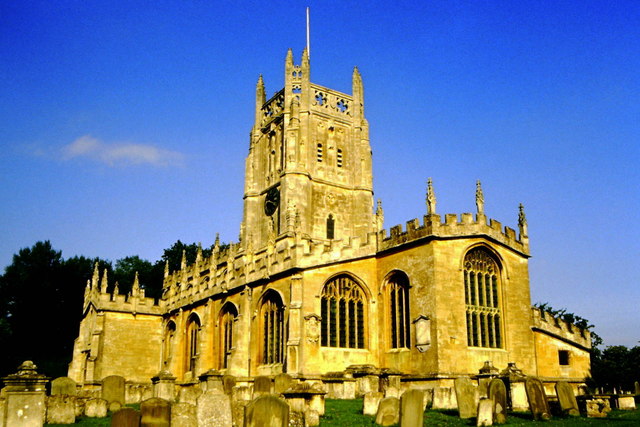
120, 154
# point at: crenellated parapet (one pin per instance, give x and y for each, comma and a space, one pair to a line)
546, 322
465, 225
96, 294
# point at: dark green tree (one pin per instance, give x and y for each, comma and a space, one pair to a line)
150, 276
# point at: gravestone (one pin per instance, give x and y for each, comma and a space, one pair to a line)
597, 407
444, 398
214, 410
497, 393
626, 402
637, 387
113, 390
567, 399
126, 417
61, 409
261, 385
267, 411
282, 382
371, 402
466, 396
95, 408
388, 412
184, 415
24, 397
411, 408
311, 418
392, 391
189, 394
485, 412
164, 386
155, 412
241, 392
538, 404
63, 386
228, 383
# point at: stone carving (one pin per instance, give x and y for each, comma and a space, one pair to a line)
497, 392
312, 322
522, 221
467, 397
567, 399
431, 198
411, 408
267, 411
538, 404
388, 412
479, 198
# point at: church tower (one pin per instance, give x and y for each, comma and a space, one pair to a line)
308, 170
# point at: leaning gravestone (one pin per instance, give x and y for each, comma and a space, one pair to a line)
184, 415
282, 382
538, 404
267, 411
371, 401
411, 408
388, 411
126, 417
61, 409
155, 412
261, 385
95, 408
466, 395
485, 412
497, 392
63, 386
214, 410
228, 383
113, 391
567, 399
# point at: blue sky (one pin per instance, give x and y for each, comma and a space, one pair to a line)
124, 125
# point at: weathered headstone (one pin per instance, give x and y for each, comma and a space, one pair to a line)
497, 392
597, 407
391, 391
267, 411
466, 396
228, 383
370, 402
567, 399
261, 385
63, 386
311, 418
282, 382
24, 397
626, 402
164, 386
214, 410
538, 404
184, 415
95, 408
113, 390
61, 409
189, 394
241, 392
444, 398
388, 412
155, 412
126, 417
485, 412
411, 408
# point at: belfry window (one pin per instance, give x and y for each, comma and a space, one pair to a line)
343, 313
193, 332
227, 318
398, 310
482, 298
339, 158
331, 225
319, 153
272, 317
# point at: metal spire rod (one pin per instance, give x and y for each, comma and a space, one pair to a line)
308, 41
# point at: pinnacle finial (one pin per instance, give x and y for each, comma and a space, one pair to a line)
166, 268
522, 221
479, 198
96, 276
431, 198
199, 253
136, 285
104, 282
116, 288
183, 261
217, 242
379, 215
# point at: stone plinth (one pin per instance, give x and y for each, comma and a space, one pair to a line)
25, 397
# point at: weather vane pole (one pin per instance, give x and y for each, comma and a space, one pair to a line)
308, 42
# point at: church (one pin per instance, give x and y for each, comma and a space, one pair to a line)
317, 288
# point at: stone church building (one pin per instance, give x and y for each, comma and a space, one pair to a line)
318, 289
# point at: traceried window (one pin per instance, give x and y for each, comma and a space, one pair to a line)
331, 227
169, 335
398, 310
227, 318
272, 317
343, 313
193, 341
482, 298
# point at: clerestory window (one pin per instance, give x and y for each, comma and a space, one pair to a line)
343, 313
482, 298
272, 317
398, 310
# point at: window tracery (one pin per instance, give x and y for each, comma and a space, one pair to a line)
272, 316
193, 332
227, 318
398, 310
343, 314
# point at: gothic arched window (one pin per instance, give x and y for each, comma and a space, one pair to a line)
228, 316
193, 341
398, 310
343, 312
272, 318
169, 335
482, 298
331, 227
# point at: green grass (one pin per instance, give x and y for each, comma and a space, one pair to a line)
348, 413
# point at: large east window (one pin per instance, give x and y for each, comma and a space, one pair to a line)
343, 313
482, 298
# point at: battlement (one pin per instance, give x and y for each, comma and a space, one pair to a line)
273, 108
135, 302
559, 328
453, 226
325, 100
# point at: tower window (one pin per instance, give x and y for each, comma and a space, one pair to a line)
331, 223
398, 306
342, 314
563, 357
320, 153
339, 158
481, 290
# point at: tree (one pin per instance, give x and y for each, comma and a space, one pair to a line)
150, 276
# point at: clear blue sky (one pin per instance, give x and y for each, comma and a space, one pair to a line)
124, 125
